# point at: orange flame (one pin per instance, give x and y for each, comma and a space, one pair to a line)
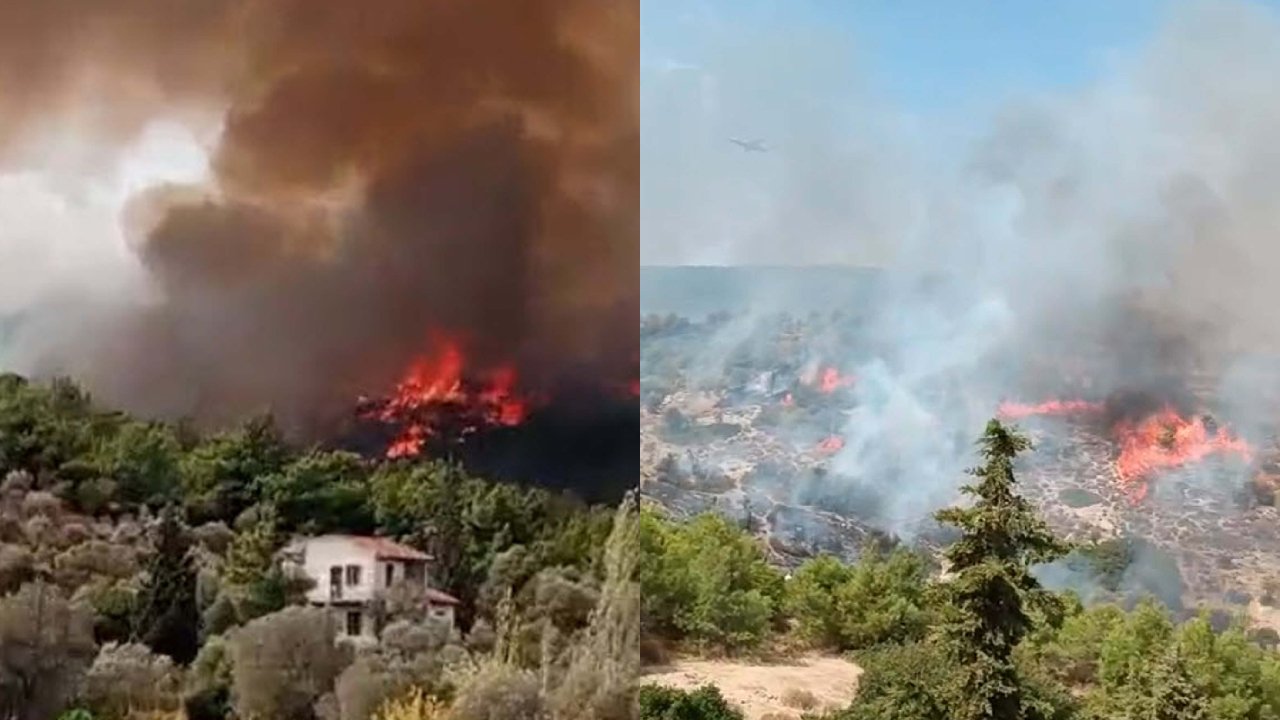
1166, 440
1014, 411
831, 380
831, 445
433, 381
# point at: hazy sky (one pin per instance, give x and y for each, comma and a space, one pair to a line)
863, 100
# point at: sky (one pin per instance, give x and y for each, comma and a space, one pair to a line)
928, 56
60, 217
889, 78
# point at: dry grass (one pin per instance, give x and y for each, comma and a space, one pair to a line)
767, 690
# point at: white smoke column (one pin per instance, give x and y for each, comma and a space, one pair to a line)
62, 235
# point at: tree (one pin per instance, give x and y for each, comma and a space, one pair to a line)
498, 691
847, 607
143, 460
253, 584
219, 474
128, 679
706, 581
991, 595
321, 492
1174, 695
282, 663
46, 643
42, 428
603, 664
167, 618
902, 682
464, 522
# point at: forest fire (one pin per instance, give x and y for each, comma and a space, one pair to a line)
1015, 411
575, 430
1159, 439
831, 380
439, 388
1167, 440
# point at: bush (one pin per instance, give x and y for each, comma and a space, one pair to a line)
705, 703
413, 705
880, 599
282, 663
129, 678
500, 692
1078, 498
707, 581
800, 699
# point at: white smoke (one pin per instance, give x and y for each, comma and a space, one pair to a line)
1158, 179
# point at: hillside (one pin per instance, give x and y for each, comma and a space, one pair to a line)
141, 561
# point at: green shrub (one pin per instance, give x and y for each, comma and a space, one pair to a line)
705, 703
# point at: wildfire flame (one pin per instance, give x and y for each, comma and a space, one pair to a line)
831, 445
1014, 411
1167, 440
1161, 441
831, 380
438, 382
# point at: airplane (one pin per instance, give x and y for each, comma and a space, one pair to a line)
750, 145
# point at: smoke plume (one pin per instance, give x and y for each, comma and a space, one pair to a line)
1131, 222
379, 174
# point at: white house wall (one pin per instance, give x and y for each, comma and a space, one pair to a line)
323, 553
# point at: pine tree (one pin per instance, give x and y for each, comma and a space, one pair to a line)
991, 592
1173, 694
167, 618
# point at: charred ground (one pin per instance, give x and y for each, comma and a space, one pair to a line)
737, 415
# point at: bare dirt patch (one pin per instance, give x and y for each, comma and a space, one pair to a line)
764, 689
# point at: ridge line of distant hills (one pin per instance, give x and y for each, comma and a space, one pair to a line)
698, 290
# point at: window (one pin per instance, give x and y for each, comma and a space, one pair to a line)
391, 574
335, 582
353, 575
354, 619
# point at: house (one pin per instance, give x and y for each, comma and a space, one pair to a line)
355, 575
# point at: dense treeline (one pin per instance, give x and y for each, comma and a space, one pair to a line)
981, 639
139, 577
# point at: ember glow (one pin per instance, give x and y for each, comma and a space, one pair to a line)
1167, 440
831, 445
1015, 411
831, 380
439, 388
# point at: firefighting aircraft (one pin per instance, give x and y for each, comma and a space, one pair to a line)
750, 145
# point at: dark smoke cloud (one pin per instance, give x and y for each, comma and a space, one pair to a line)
382, 171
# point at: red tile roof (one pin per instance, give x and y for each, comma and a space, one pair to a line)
388, 549
438, 597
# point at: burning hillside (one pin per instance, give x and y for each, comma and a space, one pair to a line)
744, 422
436, 393
579, 435
433, 205
1147, 442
